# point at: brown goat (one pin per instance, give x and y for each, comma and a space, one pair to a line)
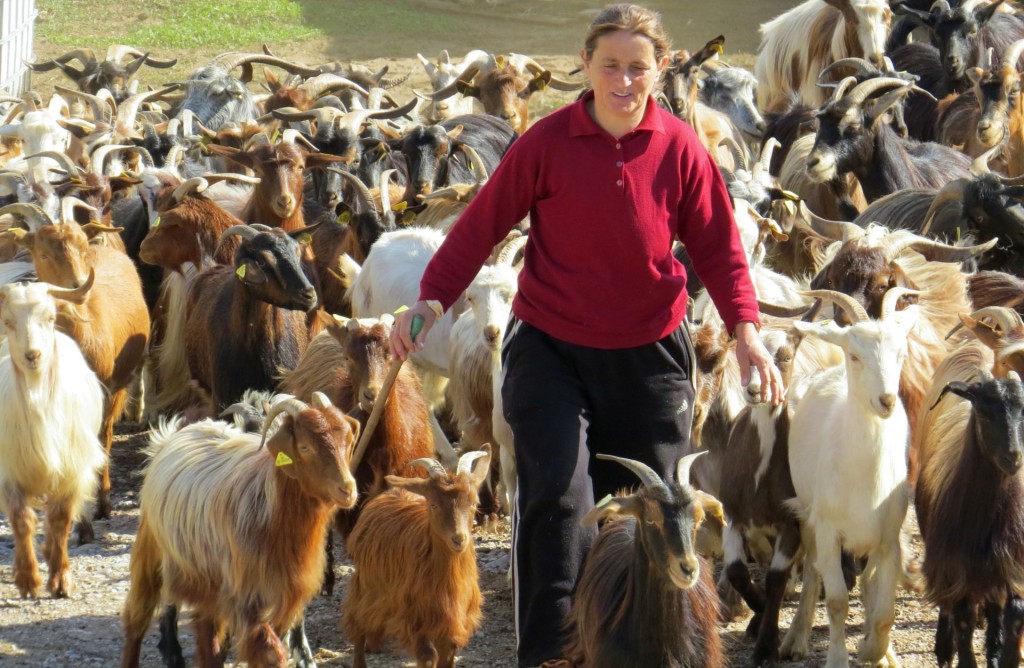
416, 575
111, 326
1001, 119
236, 531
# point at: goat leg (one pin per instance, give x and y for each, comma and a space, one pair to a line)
58, 528
298, 645
23, 526
993, 632
964, 621
170, 648
426, 654
446, 653
208, 650
766, 649
359, 652
1013, 626
944, 639
328, 587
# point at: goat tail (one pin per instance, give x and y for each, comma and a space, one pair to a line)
162, 433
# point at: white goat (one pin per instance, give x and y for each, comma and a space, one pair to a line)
474, 390
51, 409
441, 75
797, 45
39, 132
848, 459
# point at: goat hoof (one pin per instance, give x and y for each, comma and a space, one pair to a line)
765, 656
102, 508
732, 610
84, 532
59, 585
754, 626
28, 584
793, 649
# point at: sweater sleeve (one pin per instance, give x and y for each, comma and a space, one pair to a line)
712, 240
503, 201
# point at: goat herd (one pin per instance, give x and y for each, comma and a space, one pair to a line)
181, 254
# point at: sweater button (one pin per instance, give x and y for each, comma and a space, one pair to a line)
618, 146
618, 164
619, 182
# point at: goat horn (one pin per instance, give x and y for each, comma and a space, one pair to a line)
466, 461
779, 311
507, 255
321, 401
74, 295
841, 89
862, 66
385, 192
837, 230
231, 176
245, 231
892, 296
292, 136
85, 56
130, 108
954, 191
467, 75
196, 184
684, 465
35, 217
290, 405
101, 109
852, 307
434, 468
117, 52
941, 5
230, 61
936, 250
476, 165
1007, 319
735, 151
646, 474
980, 166
358, 184
520, 61
64, 159
68, 206
871, 86
99, 156
175, 156
330, 81
761, 167
1012, 54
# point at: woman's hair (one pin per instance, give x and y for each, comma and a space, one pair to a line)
631, 18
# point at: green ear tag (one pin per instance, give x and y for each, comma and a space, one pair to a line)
305, 238
277, 135
283, 460
240, 272
156, 223
344, 218
604, 502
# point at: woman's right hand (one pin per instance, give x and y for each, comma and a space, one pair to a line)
401, 334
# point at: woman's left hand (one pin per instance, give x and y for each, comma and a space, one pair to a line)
750, 352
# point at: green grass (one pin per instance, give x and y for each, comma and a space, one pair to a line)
220, 25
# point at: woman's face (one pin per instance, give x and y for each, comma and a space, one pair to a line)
623, 72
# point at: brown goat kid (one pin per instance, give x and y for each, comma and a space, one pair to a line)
236, 531
416, 576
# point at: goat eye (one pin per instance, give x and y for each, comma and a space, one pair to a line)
854, 358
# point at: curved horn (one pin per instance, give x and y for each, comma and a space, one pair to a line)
852, 307
738, 158
330, 81
128, 109
231, 176
841, 89
291, 405
954, 191
979, 165
321, 401
64, 159
358, 184
646, 474
196, 184
476, 165
230, 61
892, 296
872, 86
433, 467
862, 66
936, 250
1007, 319
35, 217
521, 62
766, 158
684, 465
101, 109
833, 229
940, 5
385, 191
85, 56
68, 206
99, 156
292, 136
507, 254
779, 311
74, 295
466, 461
1012, 54
117, 52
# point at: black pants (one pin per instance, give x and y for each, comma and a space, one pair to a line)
566, 403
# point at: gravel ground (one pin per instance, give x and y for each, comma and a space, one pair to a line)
85, 629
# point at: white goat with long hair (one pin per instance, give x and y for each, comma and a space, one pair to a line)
797, 45
848, 460
51, 409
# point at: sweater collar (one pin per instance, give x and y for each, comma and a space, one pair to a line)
581, 123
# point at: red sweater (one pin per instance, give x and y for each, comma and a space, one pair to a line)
599, 269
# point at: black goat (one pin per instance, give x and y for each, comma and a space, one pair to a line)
645, 598
110, 73
969, 501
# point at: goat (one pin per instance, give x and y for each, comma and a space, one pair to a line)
967, 500
111, 326
262, 300
1001, 118
732, 90
644, 596
110, 73
851, 479
52, 411
852, 138
441, 75
433, 609
753, 492
235, 530
504, 86
798, 44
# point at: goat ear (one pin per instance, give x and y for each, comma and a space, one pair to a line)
23, 238
986, 12
826, 331
481, 467
414, 485
711, 506
249, 272
314, 160
540, 82
467, 89
93, 230
282, 446
241, 157
356, 427
959, 388
336, 326
119, 183
620, 505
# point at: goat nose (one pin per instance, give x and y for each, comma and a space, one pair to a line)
370, 394
309, 293
33, 356
491, 332
458, 541
760, 126
983, 126
813, 161
888, 401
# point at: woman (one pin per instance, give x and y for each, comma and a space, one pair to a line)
596, 358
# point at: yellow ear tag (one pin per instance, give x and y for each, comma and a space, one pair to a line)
400, 206
156, 223
344, 218
408, 217
401, 309
240, 272
276, 136
717, 48
500, 61
305, 238
604, 502
283, 459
